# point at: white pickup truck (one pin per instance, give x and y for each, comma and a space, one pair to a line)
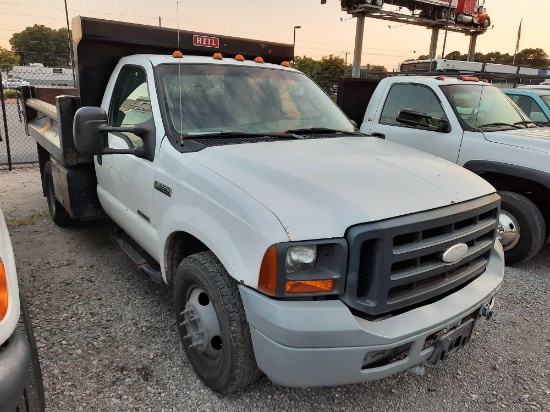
473, 124
296, 246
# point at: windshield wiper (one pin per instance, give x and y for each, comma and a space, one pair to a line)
526, 123
237, 134
496, 124
319, 130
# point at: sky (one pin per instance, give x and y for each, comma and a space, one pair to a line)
325, 29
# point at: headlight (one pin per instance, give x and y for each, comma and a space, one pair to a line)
303, 268
300, 258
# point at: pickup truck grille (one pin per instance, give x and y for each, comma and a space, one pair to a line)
396, 263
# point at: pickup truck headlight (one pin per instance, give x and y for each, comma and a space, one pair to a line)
304, 268
300, 257
3, 291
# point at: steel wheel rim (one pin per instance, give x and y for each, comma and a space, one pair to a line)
509, 231
203, 331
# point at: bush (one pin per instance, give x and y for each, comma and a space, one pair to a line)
10, 94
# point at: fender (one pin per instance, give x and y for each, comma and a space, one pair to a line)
240, 255
480, 166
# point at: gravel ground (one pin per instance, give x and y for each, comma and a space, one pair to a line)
108, 342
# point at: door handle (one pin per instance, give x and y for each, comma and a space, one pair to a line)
379, 135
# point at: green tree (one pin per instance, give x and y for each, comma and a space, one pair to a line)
305, 64
533, 57
8, 59
454, 55
330, 68
41, 44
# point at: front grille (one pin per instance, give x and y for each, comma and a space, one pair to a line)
397, 263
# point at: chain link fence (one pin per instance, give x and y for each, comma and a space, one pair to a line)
16, 148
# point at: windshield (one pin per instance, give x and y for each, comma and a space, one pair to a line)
482, 106
216, 98
546, 100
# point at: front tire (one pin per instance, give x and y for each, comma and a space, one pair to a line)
522, 229
212, 324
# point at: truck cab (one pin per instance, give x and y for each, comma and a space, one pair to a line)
472, 123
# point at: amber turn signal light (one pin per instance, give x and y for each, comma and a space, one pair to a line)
3, 291
268, 272
309, 286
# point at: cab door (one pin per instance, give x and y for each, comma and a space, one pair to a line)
125, 181
418, 97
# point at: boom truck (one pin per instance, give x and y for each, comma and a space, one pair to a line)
295, 245
463, 12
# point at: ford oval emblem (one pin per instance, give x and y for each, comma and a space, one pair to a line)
455, 253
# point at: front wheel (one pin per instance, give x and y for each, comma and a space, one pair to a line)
212, 324
521, 228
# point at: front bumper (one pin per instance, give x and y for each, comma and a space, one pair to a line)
320, 343
14, 363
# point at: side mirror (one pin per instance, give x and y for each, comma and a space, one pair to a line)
90, 133
418, 118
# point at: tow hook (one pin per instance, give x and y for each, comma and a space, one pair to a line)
487, 310
417, 370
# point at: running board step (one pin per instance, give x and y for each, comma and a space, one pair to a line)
137, 256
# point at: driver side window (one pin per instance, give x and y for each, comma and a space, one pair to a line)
410, 96
130, 103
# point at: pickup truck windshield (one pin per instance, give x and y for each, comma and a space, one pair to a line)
483, 106
546, 99
216, 98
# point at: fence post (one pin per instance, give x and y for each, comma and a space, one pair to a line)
4, 115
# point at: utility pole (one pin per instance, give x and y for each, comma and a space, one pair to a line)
346, 53
446, 29
160, 22
70, 41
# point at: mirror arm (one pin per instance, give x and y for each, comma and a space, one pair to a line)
138, 131
136, 152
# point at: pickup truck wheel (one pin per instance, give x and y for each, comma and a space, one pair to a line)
521, 228
58, 214
212, 324
33, 399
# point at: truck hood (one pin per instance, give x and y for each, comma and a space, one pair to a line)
533, 138
318, 188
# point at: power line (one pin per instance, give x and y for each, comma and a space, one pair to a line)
38, 17
30, 5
